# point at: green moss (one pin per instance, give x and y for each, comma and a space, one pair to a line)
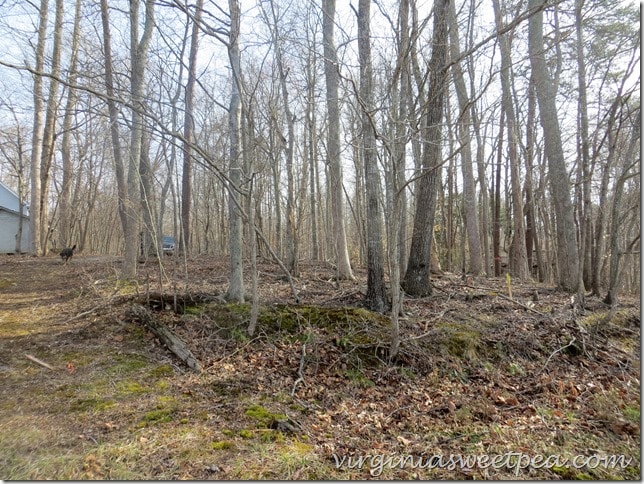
464, 344
292, 319
222, 445
239, 335
162, 385
515, 369
167, 401
272, 436
128, 387
300, 448
263, 417
124, 363
246, 434
161, 371
572, 474
193, 310
632, 413
91, 404
154, 417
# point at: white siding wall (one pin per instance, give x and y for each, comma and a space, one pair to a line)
8, 231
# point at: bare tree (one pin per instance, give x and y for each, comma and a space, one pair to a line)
332, 75
282, 69
464, 122
630, 161
417, 278
113, 111
376, 297
37, 133
49, 128
567, 252
188, 130
236, 284
138, 52
65, 149
518, 261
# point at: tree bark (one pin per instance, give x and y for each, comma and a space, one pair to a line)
188, 133
37, 136
236, 284
331, 73
47, 154
119, 164
567, 253
66, 212
469, 187
416, 281
583, 156
292, 252
138, 52
616, 214
168, 337
376, 297
518, 260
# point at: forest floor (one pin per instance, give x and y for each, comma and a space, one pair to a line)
488, 384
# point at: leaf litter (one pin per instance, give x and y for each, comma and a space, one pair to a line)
479, 373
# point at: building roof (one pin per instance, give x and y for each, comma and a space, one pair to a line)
9, 200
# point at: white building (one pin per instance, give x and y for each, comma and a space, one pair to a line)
9, 222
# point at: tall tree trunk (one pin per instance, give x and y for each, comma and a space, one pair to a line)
332, 75
139, 52
37, 136
496, 217
464, 122
567, 253
397, 214
236, 284
119, 164
416, 281
65, 148
530, 220
602, 212
188, 133
376, 298
616, 213
401, 105
583, 156
150, 232
518, 260
47, 154
291, 230
311, 146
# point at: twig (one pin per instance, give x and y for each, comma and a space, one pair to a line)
40, 362
554, 353
511, 299
300, 371
236, 351
109, 302
427, 333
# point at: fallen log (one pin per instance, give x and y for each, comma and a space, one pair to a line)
172, 341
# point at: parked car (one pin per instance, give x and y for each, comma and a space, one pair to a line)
168, 245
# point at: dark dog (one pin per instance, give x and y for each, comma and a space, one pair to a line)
67, 254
